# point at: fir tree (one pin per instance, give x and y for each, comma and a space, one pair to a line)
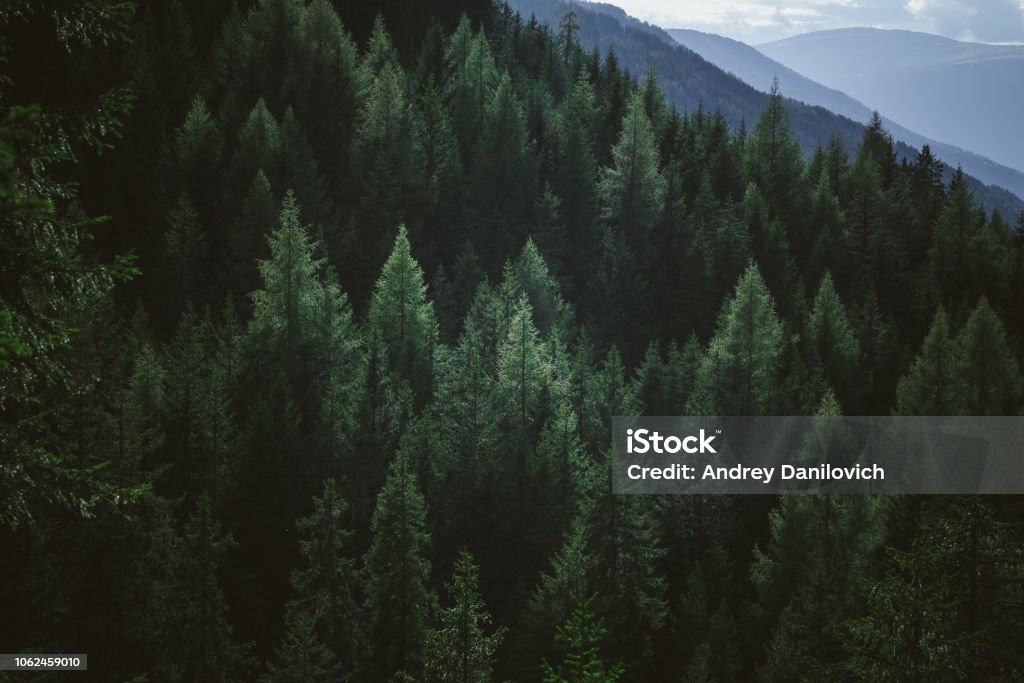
579, 640
398, 600
739, 373
302, 657
833, 341
459, 649
325, 585
402, 322
931, 386
631, 191
989, 376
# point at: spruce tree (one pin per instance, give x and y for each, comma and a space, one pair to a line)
402, 322
773, 161
399, 602
202, 631
286, 309
326, 583
631, 191
624, 542
257, 217
459, 649
259, 149
989, 376
833, 341
302, 657
931, 385
739, 373
579, 641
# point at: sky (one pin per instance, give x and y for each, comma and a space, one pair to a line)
758, 21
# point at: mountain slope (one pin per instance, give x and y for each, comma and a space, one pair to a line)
758, 70
967, 94
690, 81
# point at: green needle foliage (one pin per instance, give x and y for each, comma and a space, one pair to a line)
399, 265
579, 640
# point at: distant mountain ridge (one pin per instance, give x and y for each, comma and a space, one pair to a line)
966, 94
690, 81
758, 70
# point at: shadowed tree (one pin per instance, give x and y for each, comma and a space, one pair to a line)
399, 602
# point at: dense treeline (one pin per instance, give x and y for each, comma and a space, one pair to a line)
343, 412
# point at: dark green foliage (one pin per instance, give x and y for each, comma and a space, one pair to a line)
833, 342
459, 649
399, 601
302, 657
739, 373
262, 459
402, 324
990, 376
49, 282
200, 624
579, 640
326, 584
931, 386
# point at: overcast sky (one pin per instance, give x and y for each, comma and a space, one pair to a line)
757, 21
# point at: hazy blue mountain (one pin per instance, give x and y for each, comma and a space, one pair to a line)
690, 81
758, 70
967, 94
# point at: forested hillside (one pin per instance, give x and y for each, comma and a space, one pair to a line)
328, 395
759, 71
689, 82
913, 73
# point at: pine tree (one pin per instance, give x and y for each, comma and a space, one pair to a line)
522, 369
472, 80
287, 308
383, 153
49, 284
739, 373
259, 149
568, 37
504, 171
302, 657
459, 649
402, 321
534, 279
579, 640
552, 240
931, 386
203, 440
865, 211
325, 585
380, 51
191, 161
397, 569
950, 257
989, 376
300, 172
773, 161
326, 84
272, 30
833, 341
624, 542
935, 611
257, 218
437, 166
202, 631
631, 191
574, 166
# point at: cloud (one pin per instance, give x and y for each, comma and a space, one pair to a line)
988, 21
763, 20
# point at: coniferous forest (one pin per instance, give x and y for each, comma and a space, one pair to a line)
314, 316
